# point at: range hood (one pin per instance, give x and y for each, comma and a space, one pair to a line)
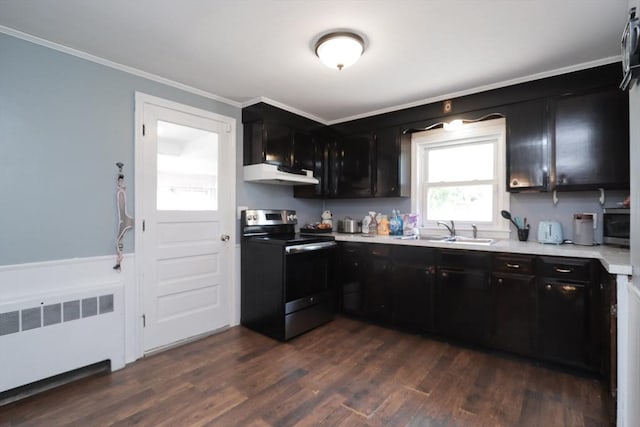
275, 174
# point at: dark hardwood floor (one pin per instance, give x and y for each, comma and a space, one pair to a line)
346, 373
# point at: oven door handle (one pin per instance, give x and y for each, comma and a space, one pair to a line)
308, 247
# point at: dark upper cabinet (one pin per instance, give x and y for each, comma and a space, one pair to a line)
276, 136
268, 142
310, 153
528, 148
368, 164
592, 140
392, 172
351, 166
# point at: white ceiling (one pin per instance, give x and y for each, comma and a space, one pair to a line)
416, 50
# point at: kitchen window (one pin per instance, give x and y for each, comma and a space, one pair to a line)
459, 175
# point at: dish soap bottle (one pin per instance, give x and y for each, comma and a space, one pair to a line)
373, 225
395, 223
383, 227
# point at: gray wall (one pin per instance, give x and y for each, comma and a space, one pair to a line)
64, 123
534, 206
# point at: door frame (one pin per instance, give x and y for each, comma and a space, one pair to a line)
228, 199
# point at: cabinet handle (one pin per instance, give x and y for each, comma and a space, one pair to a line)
444, 274
514, 183
500, 281
548, 287
355, 264
563, 270
513, 265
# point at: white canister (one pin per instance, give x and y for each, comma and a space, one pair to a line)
583, 229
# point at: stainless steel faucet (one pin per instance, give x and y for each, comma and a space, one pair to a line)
452, 229
475, 231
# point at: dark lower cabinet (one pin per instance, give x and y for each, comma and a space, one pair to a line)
563, 324
548, 308
512, 323
461, 295
377, 292
566, 302
512, 317
352, 277
414, 275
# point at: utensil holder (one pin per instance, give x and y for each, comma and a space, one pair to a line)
523, 234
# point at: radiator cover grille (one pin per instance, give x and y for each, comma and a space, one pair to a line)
29, 318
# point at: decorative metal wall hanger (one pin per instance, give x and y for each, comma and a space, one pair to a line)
125, 222
489, 116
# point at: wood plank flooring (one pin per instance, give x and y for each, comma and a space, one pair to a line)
346, 373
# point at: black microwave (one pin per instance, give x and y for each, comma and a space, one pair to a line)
616, 226
630, 45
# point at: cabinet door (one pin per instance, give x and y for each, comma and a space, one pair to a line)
309, 153
563, 327
353, 166
512, 317
352, 277
377, 289
592, 141
387, 148
278, 143
412, 296
528, 160
460, 304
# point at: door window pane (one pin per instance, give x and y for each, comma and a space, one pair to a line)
187, 168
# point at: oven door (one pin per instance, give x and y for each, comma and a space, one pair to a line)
309, 275
616, 227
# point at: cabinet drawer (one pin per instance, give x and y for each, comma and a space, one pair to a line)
352, 249
379, 250
514, 264
413, 255
458, 260
566, 268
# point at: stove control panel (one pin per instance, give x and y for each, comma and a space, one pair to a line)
252, 217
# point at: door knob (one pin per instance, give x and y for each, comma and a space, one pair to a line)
224, 237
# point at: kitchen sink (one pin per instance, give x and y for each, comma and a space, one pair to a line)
459, 240
472, 240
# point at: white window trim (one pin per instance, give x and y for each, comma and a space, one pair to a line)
490, 129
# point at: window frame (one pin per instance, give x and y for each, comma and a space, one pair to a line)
489, 130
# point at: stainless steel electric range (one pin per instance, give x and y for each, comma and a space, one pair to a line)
287, 279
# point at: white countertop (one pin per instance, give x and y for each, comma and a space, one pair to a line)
615, 260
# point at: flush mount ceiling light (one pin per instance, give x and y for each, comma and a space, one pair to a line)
340, 49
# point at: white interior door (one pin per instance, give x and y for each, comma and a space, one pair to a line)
187, 212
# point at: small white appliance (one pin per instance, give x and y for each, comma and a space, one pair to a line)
583, 229
550, 232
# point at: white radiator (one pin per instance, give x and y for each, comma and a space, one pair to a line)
56, 332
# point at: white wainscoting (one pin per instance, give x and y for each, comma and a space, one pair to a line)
70, 313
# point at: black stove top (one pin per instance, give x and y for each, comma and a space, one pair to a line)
291, 239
